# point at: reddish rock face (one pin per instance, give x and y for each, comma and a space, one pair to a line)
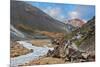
76, 22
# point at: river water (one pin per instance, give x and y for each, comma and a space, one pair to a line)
37, 52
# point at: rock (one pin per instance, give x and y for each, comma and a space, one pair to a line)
67, 50
49, 53
85, 55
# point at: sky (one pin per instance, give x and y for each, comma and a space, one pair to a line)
63, 12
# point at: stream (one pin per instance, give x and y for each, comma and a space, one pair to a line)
37, 52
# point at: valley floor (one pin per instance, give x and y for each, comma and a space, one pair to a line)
47, 51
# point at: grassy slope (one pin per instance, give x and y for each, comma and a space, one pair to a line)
88, 32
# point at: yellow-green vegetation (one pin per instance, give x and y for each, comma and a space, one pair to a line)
41, 42
17, 50
25, 28
68, 36
78, 42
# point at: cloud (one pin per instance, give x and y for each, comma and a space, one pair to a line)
55, 12
84, 20
74, 14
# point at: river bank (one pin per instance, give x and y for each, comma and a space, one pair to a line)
37, 52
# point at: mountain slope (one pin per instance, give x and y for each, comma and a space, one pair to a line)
84, 37
28, 19
16, 34
88, 41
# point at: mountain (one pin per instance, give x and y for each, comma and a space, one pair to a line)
88, 32
76, 22
70, 28
28, 19
84, 37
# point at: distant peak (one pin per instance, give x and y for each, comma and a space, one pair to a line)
76, 22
